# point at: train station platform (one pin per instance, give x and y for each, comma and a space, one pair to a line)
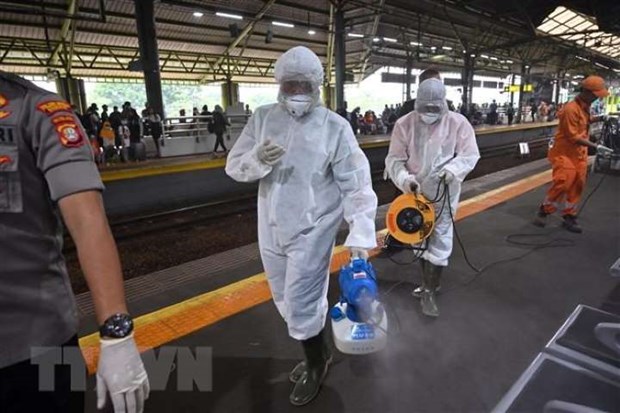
492, 324
135, 188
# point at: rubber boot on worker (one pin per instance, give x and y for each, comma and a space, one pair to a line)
432, 275
301, 367
570, 223
540, 220
317, 364
417, 292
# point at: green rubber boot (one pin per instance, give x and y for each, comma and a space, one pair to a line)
317, 363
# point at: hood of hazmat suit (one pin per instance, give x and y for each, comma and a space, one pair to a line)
426, 142
300, 75
322, 177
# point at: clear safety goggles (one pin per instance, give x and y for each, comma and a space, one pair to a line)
296, 87
430, 108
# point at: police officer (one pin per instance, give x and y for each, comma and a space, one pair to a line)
47, 170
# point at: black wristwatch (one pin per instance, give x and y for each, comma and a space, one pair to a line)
117, 326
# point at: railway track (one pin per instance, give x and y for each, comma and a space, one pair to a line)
159, 240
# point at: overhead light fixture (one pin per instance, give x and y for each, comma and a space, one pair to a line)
376, 40
472, 55
484, 56
464, 51
415, 44
527, 66
438, 56
355, 35
578, 77
390, 39
229, 16
282, 24
493, 58
446, 47
582, 58
509, 62
617, 70
311, 32
198, 14
600, 65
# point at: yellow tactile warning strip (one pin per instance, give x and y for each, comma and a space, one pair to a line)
173, 322
122, 174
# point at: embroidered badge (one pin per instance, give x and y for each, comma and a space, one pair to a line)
53, 106
70, 135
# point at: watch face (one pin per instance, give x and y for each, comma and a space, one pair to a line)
117, 326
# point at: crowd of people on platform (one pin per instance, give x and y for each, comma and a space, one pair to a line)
118, 135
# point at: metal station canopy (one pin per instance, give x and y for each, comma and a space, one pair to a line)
210, 41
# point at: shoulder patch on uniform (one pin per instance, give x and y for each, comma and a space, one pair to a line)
70, 135
58, 119
53, 106
5, 160
4, 114
3, 101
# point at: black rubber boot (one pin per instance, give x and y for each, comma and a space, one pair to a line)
570, 223
417, 292
540, 220
432, 275
317, 364
301, 368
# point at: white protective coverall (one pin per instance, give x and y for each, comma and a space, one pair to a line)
322, 176
428, 150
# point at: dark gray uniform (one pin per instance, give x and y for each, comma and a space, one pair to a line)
44, 156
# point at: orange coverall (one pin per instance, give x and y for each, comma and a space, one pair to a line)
569, 160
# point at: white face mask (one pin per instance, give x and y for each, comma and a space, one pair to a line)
298, 105
429, 118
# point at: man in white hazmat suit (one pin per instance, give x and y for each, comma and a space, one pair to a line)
312, 173
429, 146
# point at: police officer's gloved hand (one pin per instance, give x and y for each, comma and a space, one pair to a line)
270, 153
446, 175
411, 185
358, 253
121, 373
602, 150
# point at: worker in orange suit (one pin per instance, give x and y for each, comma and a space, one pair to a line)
568, 155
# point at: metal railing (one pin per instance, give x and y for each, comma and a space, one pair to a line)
176, 127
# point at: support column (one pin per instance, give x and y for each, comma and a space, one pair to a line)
467, 80
525, 71
512, 94
230, 93
328, 96
558, 85
72, 90
408, 76
149, 55
340, 58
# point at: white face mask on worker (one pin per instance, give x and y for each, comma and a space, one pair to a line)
429, 118
298, 105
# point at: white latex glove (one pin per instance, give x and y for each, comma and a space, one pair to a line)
270, 153
411, 185
358, 253
602, 150
121, 373
446, 175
